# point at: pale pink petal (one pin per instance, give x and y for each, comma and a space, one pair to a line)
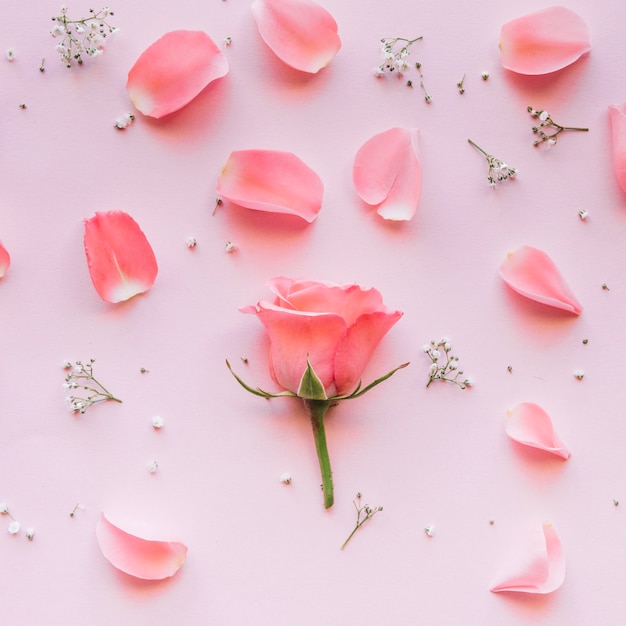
271, 180
544, 41
530, 425
139, 557
541, 569
617, 115
120, 260
5, 260
301, 33
387, 172
356, 348
173, 71
532, 273
294, 335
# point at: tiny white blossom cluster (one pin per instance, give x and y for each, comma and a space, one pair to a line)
444, 365
85, 36
14, 526
81, 377
547, 123
10, 54
498, 169
123, 121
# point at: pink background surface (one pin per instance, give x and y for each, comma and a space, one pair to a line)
261, 552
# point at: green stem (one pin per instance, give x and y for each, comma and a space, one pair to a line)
316, 410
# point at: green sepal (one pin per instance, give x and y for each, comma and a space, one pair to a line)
311, 387
258, 391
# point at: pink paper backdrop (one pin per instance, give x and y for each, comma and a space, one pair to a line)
261, 552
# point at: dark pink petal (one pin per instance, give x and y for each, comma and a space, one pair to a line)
294, 335
544, 41
532, 273
173, 71
301, 33
617, 115
541, 569
142, 558
356, 348
270, 180
387, 172
5, 260
120, 260
530, 425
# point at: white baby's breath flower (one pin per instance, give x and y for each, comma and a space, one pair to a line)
10, 54
230, 247
14, 527
583, 214
579, 374
152, 467
30, 533
191, 242
157, 422
4, 508
285, 478
429, 530
123, 121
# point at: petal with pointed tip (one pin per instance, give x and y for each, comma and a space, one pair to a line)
136, 556
544, 41
387, 172
541, 569
5, 260
617, 116
173, 71
530, 425
120, 259
301, 33
531, 273
271, 180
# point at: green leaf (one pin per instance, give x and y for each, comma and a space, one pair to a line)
311, 386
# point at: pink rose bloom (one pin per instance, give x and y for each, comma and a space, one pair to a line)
336, 326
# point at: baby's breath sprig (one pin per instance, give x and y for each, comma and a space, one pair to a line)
363, 514
545, 121
498, 170
395, 53
81, 377
447, 370
85, 36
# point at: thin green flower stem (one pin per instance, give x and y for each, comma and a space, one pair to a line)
394, 40
479, 148
316, 410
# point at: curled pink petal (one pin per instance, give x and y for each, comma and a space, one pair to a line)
541, 569
617, 116
173, 71
5, 260
544, 41
120, 260
301, 33
530, 425
387, 172
532, 273
142, 558
270, 180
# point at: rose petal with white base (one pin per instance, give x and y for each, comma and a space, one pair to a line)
120, 259
387, 172
173, 71
530, 425
617, 117
541, 569
271, 180
301, 33
544, 41
139, 557
5, 260
532, 273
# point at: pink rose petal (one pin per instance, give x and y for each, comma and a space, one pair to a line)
120, 260
387, 172
5, 260
544, 41
301, 33
270, 180
173, 71
142, 558
617, 116
541, 569
530, 425
532, 273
